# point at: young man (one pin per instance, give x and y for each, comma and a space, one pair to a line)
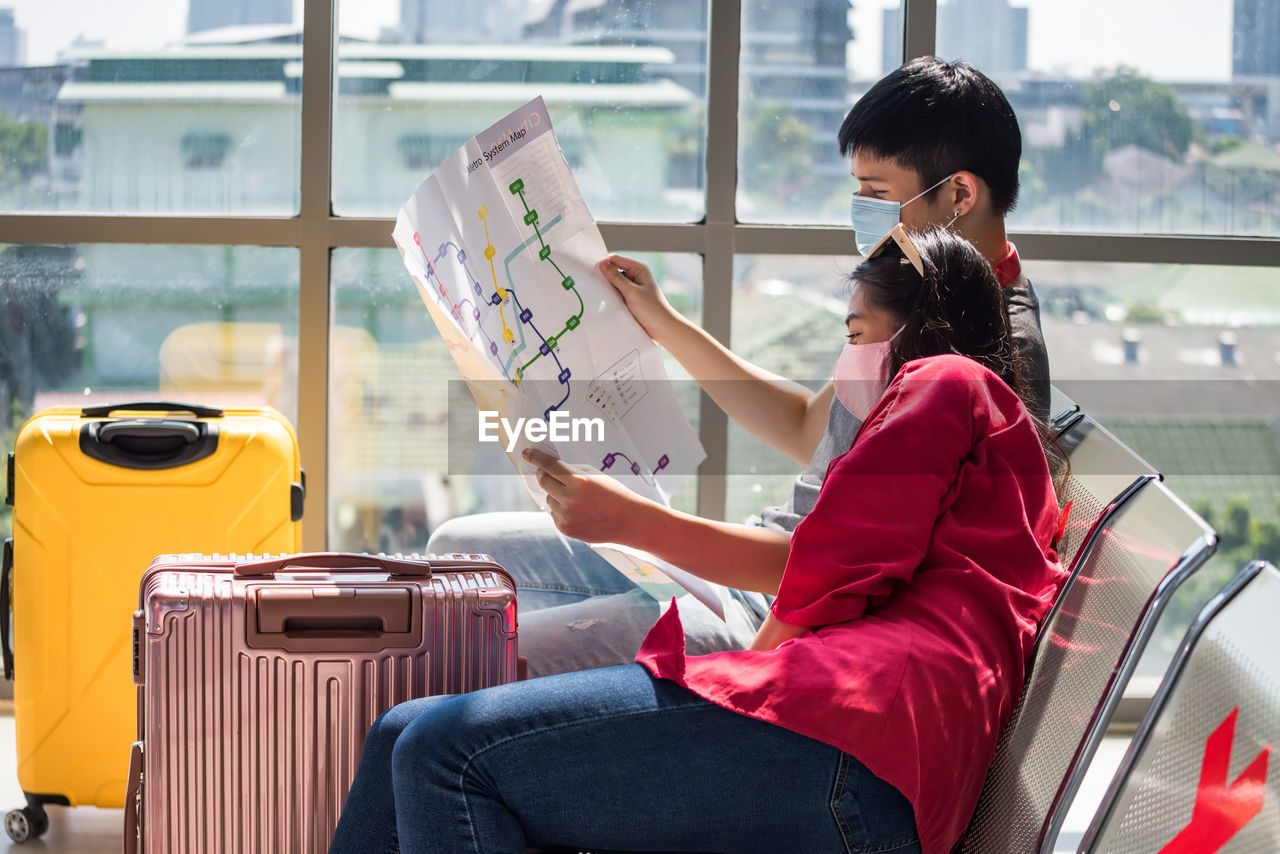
932, 143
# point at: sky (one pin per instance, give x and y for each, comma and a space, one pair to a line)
1166, 39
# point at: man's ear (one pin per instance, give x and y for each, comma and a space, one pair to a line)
964, 192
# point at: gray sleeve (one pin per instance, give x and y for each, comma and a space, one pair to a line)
842, 426
1024, 323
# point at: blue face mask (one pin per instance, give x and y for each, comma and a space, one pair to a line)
874, 218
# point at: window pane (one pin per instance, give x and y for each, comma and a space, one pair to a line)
625, 85
392, 475
99, 323
802, 63
1182, 363
1173, 131
788, 317
149, 109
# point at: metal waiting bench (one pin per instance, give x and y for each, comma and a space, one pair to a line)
1137, 552
1061, 409
1195, 777
1103, 471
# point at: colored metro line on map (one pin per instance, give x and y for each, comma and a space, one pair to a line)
635, 467
503, 250
513, 357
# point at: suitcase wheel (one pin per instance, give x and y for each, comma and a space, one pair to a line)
26, 823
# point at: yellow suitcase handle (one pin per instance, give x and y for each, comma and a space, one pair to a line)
148, 444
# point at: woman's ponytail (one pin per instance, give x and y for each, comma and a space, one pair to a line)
955, 306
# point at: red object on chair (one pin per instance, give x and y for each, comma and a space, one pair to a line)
1221, 810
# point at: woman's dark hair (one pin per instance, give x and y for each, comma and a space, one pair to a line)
957, 306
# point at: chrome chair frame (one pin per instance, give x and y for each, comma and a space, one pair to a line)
1102, 467
1127, 786
989, 818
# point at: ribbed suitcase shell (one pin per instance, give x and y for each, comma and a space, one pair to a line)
251, 749
84, 531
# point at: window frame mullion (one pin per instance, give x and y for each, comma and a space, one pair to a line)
314, 245
724, 40
919, 28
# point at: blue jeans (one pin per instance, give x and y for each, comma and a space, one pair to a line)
608, 759
576, 611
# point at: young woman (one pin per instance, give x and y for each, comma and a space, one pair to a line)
866, 712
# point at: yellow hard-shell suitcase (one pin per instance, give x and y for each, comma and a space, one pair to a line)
97, 493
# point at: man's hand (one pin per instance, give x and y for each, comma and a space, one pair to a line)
644, 299
587, 504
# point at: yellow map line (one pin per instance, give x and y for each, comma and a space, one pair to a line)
507, 335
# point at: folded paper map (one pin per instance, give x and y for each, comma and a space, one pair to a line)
503, 251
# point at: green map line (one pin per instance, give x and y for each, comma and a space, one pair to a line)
531, 218
511, 282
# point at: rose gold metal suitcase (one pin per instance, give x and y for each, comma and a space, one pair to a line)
259, 678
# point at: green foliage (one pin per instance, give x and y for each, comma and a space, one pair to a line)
779, 153
1119, 108
1145, 312
1264, 540
1241, 539
1243, 536
23, 154
1126, 108
37, 339
8, 431
1032, 188
1223, 144
1197, 590
1235, 527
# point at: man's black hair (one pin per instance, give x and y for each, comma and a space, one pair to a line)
936, 118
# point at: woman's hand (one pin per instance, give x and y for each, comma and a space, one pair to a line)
644, 299
587, 504
774, 631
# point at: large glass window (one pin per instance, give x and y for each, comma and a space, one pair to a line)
801, 65
625, 84
788, 317
108, 323
1182, 363
1140, 117
98, 323
150, 110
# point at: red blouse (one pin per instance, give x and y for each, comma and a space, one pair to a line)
925, 567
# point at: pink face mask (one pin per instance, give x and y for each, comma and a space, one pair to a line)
862, 375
